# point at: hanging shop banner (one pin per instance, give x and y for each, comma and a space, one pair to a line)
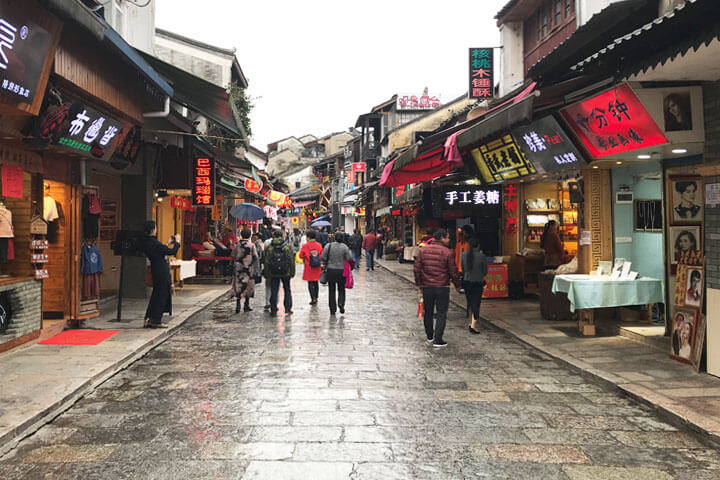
500, 160
545, 143
24, 48
510, 203
359, 167
496, 281
253, 186
481, 73
350, 176
12, 181
217, 209
128, 145
613, 122
417, 102
278, 198
203, 182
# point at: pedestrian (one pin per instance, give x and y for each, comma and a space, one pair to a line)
294, 239
311, 254
265, 233
380, 243
322, 237
246, 265
156, 252
474, 269
355, 243
553, 246
333, 258
434, 269
369, 244
279, 266
268, 290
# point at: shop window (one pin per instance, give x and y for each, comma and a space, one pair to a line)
569, 7
558, 12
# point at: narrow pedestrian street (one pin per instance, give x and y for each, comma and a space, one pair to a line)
358, 396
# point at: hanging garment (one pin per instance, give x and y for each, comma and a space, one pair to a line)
54, 226
90, 220
50, 212
10, 249
94, 204
91, 260
6, 226
91, 285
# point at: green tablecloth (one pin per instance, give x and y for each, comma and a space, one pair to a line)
585, 291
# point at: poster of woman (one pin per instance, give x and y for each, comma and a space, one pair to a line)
683, 335
683, 241
687, 200
677, 112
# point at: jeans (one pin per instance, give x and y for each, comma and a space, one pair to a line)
336, 280
473, 295
314, 290
369, 259
274, 290
435, 297
357, 255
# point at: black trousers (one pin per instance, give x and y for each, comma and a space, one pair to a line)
473, 295
336, 281
435, 298
314, 290
274, 292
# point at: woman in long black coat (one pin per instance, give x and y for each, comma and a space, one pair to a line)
161, 298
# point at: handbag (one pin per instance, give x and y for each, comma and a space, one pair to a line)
323, 276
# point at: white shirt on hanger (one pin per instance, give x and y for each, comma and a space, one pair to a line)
6, 227
50, 212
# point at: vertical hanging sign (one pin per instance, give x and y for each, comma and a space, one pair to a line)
481, 73
204, 182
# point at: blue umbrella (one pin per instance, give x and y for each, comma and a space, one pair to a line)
247, 212
321, 223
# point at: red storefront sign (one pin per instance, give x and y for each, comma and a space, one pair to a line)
350, 177
12, 181
253, 186
613, 122
496, 281
397, 212
181, 203
204, 182
358, 167
510, 201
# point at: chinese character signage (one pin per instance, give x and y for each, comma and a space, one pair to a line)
483, 200
350, 178
496, 281
481, 73
511, 209
11, 181
613, 122
500, 160
546, 144
358, 167
252, 185
418, 102
23, 48
203, 182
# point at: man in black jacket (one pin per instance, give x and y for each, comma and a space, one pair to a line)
355, 244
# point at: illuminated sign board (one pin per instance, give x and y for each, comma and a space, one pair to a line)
203, 182
253, 186
501, 159
613, 122
481, 73
546, 144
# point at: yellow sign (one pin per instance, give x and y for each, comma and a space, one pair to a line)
295, 220
326, 179
501, 159
217, 208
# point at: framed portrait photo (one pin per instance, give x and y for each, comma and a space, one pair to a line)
683, 241
682, 340
688, 198
677, 111
694, 287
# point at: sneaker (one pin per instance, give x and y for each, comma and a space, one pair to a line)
440, 344
430, 340
266, 308
342, 309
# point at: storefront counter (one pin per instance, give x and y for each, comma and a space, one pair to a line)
22, 310
182, 269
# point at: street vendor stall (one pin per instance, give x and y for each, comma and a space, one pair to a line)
587, 292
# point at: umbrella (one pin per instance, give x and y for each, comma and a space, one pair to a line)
321, 223
247, 212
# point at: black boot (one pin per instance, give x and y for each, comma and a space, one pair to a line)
237, 305
247, 306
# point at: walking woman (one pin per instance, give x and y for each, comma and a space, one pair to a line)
333, 258
474, 269
246, 266
311, 254
161, 298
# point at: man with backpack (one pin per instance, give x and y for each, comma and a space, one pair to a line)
310, 254
279, 266
355, 243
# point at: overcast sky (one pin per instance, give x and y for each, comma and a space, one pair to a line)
314, 66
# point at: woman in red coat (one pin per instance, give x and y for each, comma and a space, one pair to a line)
310, 255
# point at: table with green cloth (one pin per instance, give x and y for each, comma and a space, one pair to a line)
585, 291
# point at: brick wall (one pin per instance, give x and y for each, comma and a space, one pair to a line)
26, 309
711, 98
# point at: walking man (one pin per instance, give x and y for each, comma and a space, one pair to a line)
355, 244
279, 264
434, 270
369, 243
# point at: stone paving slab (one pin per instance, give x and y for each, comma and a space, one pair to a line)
41, 381
636, 368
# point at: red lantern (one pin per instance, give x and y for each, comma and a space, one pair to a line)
252, 186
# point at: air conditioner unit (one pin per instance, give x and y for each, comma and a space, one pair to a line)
623, 197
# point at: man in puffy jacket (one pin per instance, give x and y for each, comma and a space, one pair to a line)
369, 243
434, 270
355, 243
279, 266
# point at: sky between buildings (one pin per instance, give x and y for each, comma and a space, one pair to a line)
314, 66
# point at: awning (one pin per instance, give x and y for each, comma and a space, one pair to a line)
303, 204
413, 168
517, 110
197, 94
688, 26
134, 59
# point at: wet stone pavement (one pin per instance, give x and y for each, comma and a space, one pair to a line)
353, 397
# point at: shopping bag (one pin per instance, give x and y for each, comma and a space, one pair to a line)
323, 278
297, 258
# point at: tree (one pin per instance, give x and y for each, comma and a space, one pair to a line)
242, 105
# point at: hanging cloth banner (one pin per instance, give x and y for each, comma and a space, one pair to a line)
12, 181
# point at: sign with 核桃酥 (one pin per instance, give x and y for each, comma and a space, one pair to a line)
613, 122
24, 46
545, 143
481, 73
501, 159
